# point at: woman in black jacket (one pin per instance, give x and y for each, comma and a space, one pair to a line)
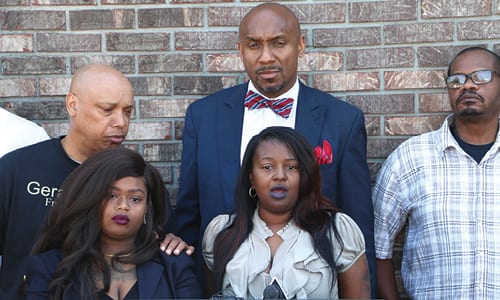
102, 237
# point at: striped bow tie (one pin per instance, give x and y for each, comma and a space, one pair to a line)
282, 106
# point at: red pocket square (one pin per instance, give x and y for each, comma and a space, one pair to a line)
324, 154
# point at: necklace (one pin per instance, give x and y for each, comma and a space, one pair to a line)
114, 255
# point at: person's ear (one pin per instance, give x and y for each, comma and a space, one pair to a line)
239, 50
250, 177
71, 104
301, 46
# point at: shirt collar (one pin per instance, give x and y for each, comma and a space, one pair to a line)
446, 140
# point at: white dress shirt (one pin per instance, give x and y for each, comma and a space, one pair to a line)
256, 120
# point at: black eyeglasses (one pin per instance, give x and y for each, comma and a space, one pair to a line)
457, 81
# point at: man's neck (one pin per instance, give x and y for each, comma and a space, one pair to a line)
476, 133
70, 147
281, 95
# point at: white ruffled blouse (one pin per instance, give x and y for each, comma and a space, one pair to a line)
301, 272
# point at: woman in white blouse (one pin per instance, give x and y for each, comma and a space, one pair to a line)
285, 240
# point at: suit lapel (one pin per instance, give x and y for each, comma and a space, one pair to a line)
229, 120
148, 277
310, 116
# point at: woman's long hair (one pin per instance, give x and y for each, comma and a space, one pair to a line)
313, 212
74, 223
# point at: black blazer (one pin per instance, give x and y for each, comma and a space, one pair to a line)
163, 277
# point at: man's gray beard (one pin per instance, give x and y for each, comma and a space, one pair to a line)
272, 90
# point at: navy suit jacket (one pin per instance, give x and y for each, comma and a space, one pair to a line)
163, 277
211, 159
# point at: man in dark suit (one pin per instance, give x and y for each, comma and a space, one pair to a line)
217, 129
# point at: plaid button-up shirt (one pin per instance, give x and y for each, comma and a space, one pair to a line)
452, 206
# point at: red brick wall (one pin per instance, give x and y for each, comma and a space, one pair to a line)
386, 57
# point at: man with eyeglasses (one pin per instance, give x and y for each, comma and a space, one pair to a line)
445, 185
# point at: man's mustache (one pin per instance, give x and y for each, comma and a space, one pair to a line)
469, 94
268, 68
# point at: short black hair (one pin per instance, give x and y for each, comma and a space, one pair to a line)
477, 48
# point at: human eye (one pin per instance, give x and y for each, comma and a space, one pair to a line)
112, 195
107, 110
253, 45
293, 167
267, 166
480, 77
279, 43
135, 199
128, 111
455, 81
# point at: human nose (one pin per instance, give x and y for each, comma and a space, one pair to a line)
469, 83
279, 174
122, 203
120, 119
266, 55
